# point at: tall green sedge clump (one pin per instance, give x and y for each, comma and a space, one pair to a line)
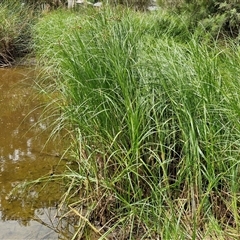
195, 81
154, 125
16, 20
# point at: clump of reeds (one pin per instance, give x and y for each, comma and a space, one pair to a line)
16, 20
154, 123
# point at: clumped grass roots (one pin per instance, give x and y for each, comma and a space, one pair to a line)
154, 119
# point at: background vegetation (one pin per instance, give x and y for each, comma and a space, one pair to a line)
216, 19
220, 18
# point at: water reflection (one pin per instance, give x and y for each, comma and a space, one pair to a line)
33, 215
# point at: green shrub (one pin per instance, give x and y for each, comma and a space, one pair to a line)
219, 18
229, 11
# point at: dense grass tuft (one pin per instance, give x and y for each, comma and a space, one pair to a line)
154, 118
16, 20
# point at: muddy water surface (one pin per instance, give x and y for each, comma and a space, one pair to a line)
23, 157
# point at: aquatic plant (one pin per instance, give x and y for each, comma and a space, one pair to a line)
154, 124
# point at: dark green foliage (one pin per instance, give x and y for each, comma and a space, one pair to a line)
219, 18
229, 12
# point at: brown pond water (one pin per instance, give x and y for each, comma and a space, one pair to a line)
32, 215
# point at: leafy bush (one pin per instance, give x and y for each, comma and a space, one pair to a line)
219, 18
229, 12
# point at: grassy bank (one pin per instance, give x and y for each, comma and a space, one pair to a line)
16, 20
153, 113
